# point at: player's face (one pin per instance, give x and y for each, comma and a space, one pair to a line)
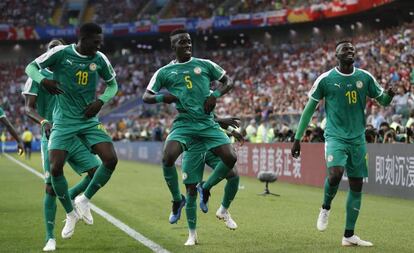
92, 44
182, 46
345, 53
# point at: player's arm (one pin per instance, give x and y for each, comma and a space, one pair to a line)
47, 59
110, 92
226, 84
150, 97
31, 112
386, 97
303, 124
13, 132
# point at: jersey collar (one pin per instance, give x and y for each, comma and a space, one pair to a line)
342, 74
176, 62
77, 53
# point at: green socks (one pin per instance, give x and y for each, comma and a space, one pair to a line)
218, 174
230, 191
79, 187
171, 177
353, 204
49, 211
101, 177
329, 194
191, 211
60, 186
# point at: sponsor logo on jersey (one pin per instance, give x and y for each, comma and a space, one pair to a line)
92, 67
70, 62
185, 176
359, 84
337, 85
197, 70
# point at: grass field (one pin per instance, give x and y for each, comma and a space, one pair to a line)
137, 195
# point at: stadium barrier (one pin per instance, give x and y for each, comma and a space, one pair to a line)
11, 146
391, 166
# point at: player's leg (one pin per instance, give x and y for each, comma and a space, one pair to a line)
172, 150
356, 170
336, 157
230, 191
49, 200
81, 186
59, 140
191, 212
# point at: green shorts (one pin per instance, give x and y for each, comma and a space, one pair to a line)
90, 133
199, 140
193, 165
79, 158
351, 156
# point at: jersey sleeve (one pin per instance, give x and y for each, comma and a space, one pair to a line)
317, 93
215, 71
106, 71
30, 88
51, 57
156, 82
374, 89
2, 115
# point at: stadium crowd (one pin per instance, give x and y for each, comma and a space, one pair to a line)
271, 85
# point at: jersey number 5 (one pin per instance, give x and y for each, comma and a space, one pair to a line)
352, 97
82, 77
188, 82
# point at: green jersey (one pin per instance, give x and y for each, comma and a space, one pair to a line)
45, 102
190, 83
78, 76
345, 100
2, 115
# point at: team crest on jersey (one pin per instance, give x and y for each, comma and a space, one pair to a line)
197, 70
185, 176
330, 158
92, 66
359, 84
47, 175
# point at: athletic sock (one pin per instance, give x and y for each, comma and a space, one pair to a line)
49, 212
60, 186
101, 177
79, 187
171, 177
329, 194
230, 191
218, 174
191, 211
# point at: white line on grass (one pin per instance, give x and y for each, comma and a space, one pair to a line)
117, 223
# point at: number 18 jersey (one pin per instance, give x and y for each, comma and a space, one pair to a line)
78, 76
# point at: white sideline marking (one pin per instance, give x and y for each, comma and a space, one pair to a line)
117, 223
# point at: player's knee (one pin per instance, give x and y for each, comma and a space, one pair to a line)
232, 159
167, 160
191, 189
111, 162
56, 169
355, 184
49, 190
232, 173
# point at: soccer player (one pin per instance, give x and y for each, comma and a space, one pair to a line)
76, 70
187, 80
345, 89
193, 164
12, 131
39, 107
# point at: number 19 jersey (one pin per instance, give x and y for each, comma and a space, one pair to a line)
78, 76
345, 101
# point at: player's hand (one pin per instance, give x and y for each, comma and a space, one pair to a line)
226, 122
93, 108
51, 86
170, 98
20, 148
238, 137
47, 127
209, 104
392, 91
295, 151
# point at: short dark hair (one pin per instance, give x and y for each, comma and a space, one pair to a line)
342, 41
178, 31
89, 28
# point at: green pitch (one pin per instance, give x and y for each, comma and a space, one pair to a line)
138, 196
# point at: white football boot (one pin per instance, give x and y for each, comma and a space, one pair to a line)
355, 241
322, 223
71, 219
83, 208
223, 214
50, 245
192, 238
